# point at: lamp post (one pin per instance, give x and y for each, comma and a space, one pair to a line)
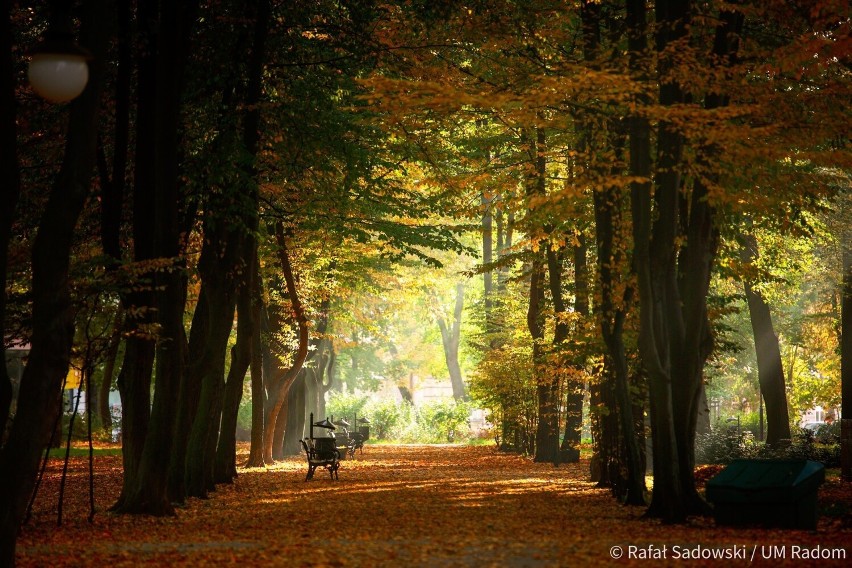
59, 69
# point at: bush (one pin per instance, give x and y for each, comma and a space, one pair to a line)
345, 405
384, 416
433, 423
723, 444
444, 421
822, 445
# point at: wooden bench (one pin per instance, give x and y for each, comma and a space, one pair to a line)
321, 452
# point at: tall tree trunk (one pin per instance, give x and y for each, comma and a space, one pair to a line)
218, 269
570, 448
241, 354
10, 188
451, 338
39, 397
103, 408
249, 296
612, 316
295, 425
278, 397
313, 392
535, 325
560, 335
257, 368
655, 266
770, 370
168, 34
487, 259
547, 384
846, 356
697, 256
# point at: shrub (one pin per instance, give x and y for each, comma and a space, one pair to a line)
723, 444
384, 416
822, 445
345, 405
445, 421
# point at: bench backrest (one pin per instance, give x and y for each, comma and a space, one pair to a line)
325, 447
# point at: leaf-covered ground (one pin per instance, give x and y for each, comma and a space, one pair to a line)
404, 506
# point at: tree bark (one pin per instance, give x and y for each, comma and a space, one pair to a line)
487, 256
770, 370
279, 395
167, 33
570, 448
654, 262
103, 409
846, 356
451, 338
226, 450
218, 268
10, 188
295, 426
547, 384
39, 397
560, 335
258, 393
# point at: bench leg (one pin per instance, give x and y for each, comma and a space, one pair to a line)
311, 469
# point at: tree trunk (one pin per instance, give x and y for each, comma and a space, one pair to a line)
281, 422
258, 393
313, 392
296, 406
612, 316
278, 397
487, 259
570, 448
134, 379
39, 397
770, 370
560, 335
225, 468
241, 354
159, 110
696, 261
218, 269
10, 188
103, 409
451, 338
846, 356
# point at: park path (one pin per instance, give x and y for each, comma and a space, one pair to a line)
431, 506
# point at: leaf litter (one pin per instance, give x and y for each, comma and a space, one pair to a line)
402, 505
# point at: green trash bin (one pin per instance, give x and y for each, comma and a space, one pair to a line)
777, 493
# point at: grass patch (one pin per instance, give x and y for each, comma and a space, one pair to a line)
59, 453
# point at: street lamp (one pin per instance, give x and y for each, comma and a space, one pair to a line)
59, 68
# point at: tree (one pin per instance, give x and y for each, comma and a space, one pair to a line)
10, 188
167, 32
769, 367
846, 355
53, 319
450, 338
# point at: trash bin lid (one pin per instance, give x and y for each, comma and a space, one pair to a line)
325, 424
766, 480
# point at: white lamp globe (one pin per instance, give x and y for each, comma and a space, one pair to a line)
58, 77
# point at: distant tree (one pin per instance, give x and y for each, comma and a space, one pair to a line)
770, 369
451, 338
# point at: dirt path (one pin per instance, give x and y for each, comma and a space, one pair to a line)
401, 506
